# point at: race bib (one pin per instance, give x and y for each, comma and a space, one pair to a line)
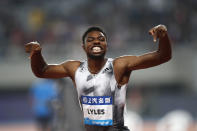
97, 110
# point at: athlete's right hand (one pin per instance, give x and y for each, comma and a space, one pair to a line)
32, 47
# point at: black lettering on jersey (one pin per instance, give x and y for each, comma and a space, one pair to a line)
96, 112
105, 70
108, 70
102, 111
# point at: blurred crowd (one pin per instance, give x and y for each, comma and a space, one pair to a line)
59, 24
62, 22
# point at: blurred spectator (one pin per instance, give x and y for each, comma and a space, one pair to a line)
52, 22
134, 121
177, 120
36, 19
59, 25
43, 92
59, 106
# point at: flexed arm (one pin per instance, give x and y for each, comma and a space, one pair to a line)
162, 55
164, 51
39, 67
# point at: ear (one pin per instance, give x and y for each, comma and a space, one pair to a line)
83, 46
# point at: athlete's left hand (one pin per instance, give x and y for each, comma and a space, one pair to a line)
158, 32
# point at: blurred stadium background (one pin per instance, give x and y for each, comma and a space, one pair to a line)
163, 96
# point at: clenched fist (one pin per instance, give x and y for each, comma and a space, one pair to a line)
158, 32
32, 47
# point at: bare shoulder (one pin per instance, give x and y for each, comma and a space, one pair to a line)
123, 61
71, 66
71, 63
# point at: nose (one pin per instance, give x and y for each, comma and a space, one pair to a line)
96, 42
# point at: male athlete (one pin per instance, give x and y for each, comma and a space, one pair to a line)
101, 82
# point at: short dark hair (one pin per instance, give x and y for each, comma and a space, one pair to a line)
90, 29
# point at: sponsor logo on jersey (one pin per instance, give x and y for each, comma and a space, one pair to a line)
96, 100
97, 110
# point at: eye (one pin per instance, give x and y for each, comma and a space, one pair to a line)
101, 38
90, 39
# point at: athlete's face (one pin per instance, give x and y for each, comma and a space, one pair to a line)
95, 45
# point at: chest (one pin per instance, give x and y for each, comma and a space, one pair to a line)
99, 84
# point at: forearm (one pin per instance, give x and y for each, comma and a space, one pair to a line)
164, 50
38, 64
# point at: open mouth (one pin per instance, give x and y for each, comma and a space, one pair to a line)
96, 49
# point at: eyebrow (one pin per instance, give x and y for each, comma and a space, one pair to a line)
90, 37
95, 37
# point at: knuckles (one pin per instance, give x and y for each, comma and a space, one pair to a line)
29, 47
158, 30
161, 28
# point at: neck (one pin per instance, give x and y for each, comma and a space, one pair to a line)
95, 65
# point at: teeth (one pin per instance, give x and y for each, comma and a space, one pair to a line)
96, 49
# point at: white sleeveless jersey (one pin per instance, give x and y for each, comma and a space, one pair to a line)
101, 99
